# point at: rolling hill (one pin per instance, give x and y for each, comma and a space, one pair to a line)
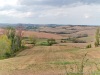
45, 60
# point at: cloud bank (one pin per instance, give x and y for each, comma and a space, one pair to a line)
50, 11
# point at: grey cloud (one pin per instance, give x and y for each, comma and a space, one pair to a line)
52, 11
47, 2
41, 5
57, 2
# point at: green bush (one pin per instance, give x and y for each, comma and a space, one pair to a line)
51, 41
75, 40
44, 44
5, 46
63, 41
33, 40
7, 55
96, 44
88, 46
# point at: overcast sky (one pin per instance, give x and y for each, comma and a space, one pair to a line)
50, 11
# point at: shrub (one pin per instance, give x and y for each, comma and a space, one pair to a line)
88, 46
7, 55
44, 44
96, 44
63, 41
81, 35
51, 41
74, 40
33, 40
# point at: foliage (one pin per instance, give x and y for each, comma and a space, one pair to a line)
12, 37
88, 46
5, 46
81, 35
15, 37
7, 55
75, 40
65, 40
51, 41
44, 44
97, 37
33, 40
31, 27
96, 44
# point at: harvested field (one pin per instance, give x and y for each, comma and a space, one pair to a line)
41, 35
44, 60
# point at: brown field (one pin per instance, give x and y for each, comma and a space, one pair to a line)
71, 31
41, 35
45, 60
36, 34
52, 60
90, 30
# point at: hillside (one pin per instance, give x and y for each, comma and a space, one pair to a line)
69, 48
41, 35
45, 60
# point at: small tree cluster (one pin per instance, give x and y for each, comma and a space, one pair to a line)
97, 38
96, 44
33, 40
88, 46
51, 41
15, 37
75, 40
63, 41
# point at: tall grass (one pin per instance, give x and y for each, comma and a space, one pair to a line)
78, 67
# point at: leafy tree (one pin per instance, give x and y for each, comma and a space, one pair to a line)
33, 40
15, 38
97, 37
11, 35
96, 44
5, 46
19, 35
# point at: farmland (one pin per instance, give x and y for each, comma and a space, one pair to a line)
56, 59
45, 60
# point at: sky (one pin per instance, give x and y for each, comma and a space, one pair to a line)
77, 12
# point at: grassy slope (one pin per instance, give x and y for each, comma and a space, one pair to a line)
44, 60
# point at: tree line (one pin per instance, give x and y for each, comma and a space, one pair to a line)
10, 42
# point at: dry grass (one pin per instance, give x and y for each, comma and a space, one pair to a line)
45, 60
